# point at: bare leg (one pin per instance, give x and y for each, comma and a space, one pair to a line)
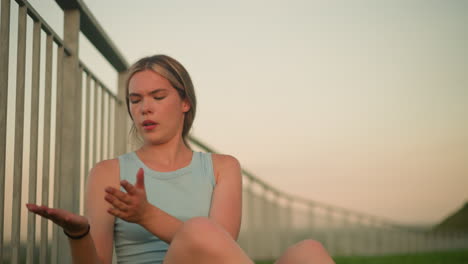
305, 252
200, 240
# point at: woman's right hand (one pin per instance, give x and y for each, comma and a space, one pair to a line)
73, 224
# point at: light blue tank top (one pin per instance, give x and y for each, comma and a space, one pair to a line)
184, 193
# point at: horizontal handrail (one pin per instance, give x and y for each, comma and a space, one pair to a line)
96, 34
48, 29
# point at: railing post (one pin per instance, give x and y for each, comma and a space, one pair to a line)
4, 54
31, 236
19, 134
120, 117
69, 133
43, 255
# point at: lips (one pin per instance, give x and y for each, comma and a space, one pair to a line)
149, 124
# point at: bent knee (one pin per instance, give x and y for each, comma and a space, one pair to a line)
198, 225
306, 251
309, 245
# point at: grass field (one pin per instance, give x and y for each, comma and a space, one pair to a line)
452, 257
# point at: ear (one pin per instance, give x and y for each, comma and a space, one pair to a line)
185, 106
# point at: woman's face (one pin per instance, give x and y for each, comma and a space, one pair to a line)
156, 107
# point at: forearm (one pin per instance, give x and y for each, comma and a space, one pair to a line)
161, 224
83, 251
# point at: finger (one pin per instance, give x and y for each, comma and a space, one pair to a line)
116, 203
119, 195
35, 207
115, 212
39, 210
140, 179
32, 208
128, 187
45, 212
36, 210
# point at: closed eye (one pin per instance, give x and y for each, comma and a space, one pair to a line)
134, 98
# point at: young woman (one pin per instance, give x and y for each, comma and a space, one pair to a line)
185, 206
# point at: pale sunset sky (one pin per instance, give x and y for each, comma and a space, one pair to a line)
359, 104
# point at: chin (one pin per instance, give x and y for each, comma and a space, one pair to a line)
154, 140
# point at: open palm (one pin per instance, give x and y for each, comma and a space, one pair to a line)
72, 223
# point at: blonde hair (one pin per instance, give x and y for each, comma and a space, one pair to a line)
179, 78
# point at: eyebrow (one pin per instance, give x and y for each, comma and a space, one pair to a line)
152, 92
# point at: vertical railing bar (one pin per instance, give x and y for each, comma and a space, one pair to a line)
98, 123
46, 151
289, 221
330, 235
4, 55
252, 203
36, 64
310, 220
58, 141
19, 130
275, 226
87, 125
91, 116
95, 115
339, 235
120, 117
353, 234
80, 146
101, 121
343, 234
282, 222
265, 221
270, 225
109, 127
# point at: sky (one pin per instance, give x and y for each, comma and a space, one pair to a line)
358, 104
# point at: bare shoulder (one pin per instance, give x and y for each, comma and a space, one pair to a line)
106, 171
224, 164
107, 164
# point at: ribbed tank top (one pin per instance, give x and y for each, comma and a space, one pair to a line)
183, 193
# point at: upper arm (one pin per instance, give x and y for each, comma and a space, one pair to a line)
104, 174
226, 204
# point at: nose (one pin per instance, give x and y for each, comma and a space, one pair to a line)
146, 106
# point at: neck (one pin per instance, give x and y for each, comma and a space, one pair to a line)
167, 154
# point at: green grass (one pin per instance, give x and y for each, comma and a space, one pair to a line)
451, 257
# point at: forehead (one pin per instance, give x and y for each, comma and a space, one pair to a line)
147, 81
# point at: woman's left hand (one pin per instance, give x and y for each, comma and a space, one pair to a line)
131, 206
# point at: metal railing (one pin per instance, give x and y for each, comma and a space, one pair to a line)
274, 220
82, 121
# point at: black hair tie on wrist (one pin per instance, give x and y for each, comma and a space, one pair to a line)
79, 236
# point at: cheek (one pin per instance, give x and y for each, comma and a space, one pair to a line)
133, 111
172, 108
